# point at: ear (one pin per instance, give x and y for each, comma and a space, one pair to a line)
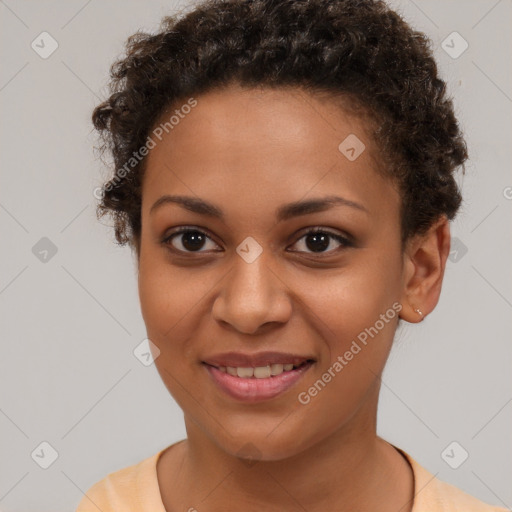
423, 271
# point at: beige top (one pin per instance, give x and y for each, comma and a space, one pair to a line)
135, 489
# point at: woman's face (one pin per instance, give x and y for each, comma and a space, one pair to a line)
248, 280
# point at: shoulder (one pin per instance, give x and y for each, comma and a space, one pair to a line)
454, 499
134, 488
434, 495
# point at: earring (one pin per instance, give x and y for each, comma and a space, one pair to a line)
417, 310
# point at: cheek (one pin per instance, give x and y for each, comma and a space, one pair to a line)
354, 341
347, 302
166, 293
355, 315
169, 304
167, 299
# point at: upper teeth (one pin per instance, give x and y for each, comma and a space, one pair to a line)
260, 372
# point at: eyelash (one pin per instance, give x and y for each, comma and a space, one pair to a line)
344, 241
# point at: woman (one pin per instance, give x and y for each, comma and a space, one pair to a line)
284, 173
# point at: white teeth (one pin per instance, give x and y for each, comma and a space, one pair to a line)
260, 372
276, 369
245, 373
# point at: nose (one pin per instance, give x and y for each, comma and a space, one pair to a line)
252, 296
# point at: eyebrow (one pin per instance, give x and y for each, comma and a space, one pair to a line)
284, 212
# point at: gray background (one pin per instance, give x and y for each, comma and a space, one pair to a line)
70, 324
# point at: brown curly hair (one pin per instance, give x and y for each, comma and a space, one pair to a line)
357, 49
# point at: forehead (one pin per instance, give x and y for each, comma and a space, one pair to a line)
259, 146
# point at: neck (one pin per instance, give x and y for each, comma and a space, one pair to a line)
351, 469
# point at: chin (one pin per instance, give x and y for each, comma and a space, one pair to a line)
258, 446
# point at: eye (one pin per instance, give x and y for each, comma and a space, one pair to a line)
188, 239
318, 240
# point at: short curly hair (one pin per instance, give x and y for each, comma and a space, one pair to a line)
356, 49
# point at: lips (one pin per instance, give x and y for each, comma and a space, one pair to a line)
256, 377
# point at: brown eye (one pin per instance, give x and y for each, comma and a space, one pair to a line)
320, 241
187, 240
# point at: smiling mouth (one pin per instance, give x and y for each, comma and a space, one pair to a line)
260, 372
254, 384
